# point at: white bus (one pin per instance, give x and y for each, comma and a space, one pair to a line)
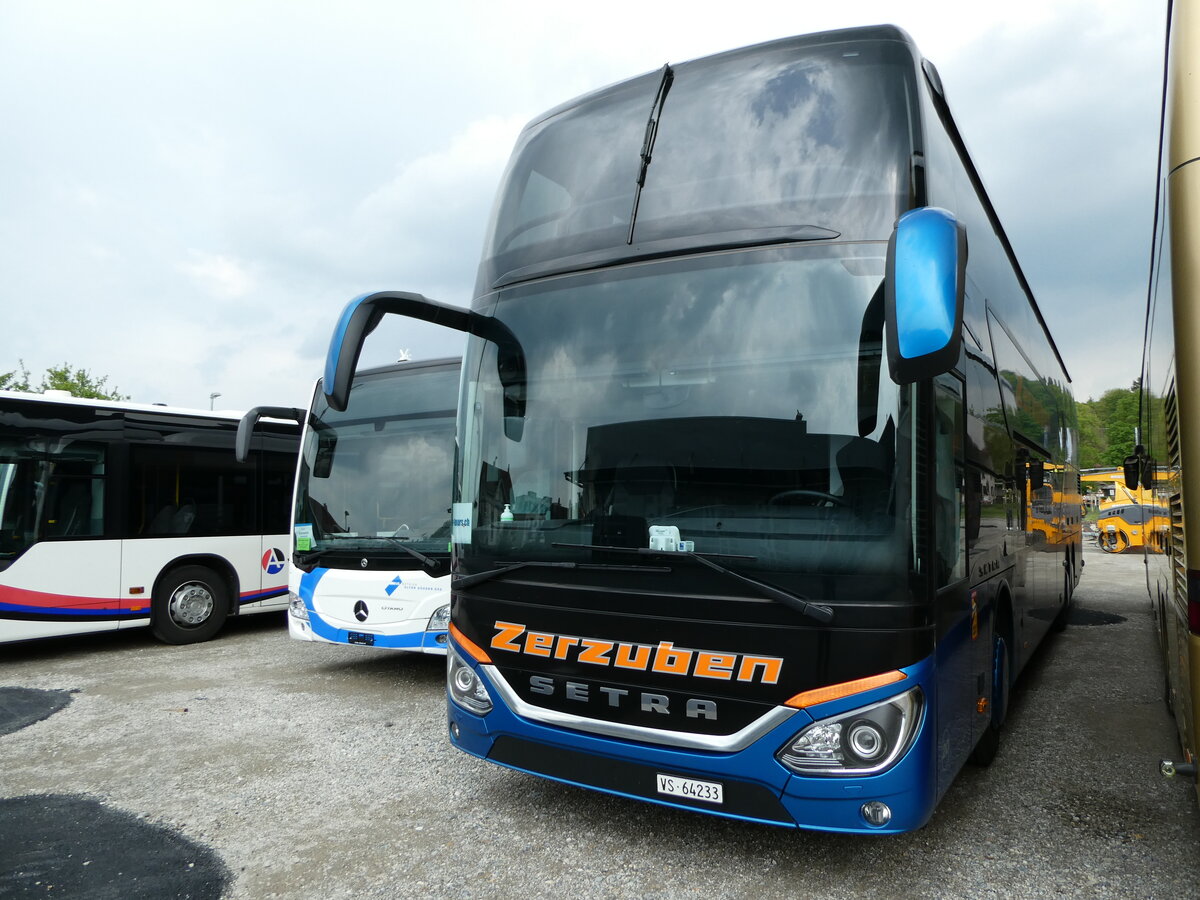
120, 515
370, 550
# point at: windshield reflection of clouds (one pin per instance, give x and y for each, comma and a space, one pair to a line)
795, 136
791, 135
718, 385
389, 482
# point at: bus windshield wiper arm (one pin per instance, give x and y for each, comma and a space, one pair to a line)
480, 577
425, 560
664, 85
304, 557
817, 611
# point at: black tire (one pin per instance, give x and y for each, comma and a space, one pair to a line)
1060, 621
190, 605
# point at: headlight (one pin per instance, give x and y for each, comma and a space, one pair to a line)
440, 620
296, 607
863, 741
466, 688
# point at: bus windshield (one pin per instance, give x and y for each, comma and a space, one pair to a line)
741, 399
371, 477
756, 141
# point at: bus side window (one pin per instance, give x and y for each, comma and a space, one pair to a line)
75, 493
948, 474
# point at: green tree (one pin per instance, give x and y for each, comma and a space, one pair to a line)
79, 382
1092, 445
12, 381
1120, 416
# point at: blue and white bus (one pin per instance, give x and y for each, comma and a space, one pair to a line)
370, 548
754, 396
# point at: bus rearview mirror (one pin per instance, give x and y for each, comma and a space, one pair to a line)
245, 432
323, 459
1135, 469
923, 294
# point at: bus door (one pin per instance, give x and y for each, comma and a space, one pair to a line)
276, 479
65, 562
958, 665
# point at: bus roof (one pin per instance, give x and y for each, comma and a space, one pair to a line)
62, 397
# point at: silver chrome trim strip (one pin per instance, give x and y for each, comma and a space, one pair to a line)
722, 743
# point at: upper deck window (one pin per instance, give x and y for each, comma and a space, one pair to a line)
789, 135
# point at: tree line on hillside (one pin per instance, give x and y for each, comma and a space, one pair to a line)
1108, 427
78, 381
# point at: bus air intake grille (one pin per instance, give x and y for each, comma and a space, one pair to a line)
751, 801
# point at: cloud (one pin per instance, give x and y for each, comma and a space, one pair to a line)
198, 191
218, 275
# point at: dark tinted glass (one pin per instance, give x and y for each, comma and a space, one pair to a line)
786, 135
739, 398
278, 479
177, 491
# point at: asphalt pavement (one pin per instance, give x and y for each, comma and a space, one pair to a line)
255, 766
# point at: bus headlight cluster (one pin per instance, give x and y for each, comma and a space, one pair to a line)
466, 688
296, 607
863, 741
440, 620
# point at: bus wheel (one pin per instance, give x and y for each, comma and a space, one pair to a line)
989, 743
190, 605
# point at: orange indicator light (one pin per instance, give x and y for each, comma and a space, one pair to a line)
469, 645
845, 689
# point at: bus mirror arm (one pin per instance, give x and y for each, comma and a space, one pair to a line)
364, 313
245, 432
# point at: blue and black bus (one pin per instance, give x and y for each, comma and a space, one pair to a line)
754, 396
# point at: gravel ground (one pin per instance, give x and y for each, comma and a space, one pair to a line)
314, 771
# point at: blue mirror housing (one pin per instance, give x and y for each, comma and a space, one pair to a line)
923, 294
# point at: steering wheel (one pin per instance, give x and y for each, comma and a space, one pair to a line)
816, 497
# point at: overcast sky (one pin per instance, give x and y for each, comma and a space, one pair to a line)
191, 192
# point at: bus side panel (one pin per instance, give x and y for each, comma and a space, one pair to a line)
64, 587
272, 580
146, 561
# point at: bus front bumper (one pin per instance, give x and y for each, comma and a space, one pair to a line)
755, 786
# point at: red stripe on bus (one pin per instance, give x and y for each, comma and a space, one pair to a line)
23, 597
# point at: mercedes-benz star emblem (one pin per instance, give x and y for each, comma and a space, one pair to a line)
360, 611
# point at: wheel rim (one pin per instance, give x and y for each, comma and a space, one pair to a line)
191, 604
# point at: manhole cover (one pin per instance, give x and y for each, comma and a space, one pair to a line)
20, 706
1080, 616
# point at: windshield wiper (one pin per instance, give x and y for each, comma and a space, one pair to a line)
480, 577
664, 85
817, 611
304, 557
425, 560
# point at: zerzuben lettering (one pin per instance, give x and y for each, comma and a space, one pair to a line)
664, 657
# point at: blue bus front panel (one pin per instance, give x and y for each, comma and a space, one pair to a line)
756, 786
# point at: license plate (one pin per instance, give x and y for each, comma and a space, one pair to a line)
674, 786
361, 637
